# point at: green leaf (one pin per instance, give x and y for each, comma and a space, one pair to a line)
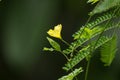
96, 22
92, 1
54, 44
71, 75
48, 49
105, 5
84, 52
108, 51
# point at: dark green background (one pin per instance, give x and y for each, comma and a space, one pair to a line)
23, 27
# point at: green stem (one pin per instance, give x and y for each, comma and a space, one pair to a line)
87, 69
65, 42
64, 55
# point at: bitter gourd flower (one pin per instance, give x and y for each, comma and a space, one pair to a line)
56, 32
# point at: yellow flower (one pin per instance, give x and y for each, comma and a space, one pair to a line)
56, 32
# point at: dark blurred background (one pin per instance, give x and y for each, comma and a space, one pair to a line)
23, 27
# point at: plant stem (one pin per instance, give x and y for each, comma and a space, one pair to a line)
65, 42
87, 69
64, 55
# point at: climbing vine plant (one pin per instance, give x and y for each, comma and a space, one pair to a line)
88, 38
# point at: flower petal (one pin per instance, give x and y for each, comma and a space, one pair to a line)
56, 32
